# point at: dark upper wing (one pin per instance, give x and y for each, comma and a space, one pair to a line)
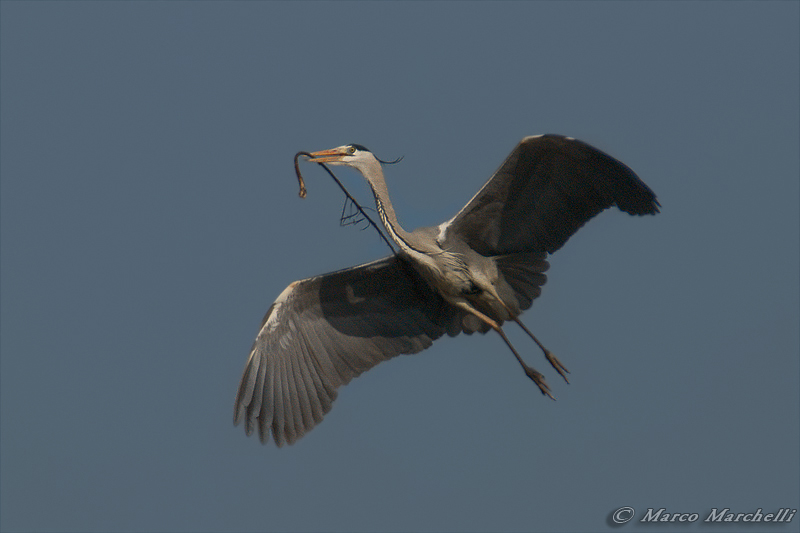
546, 189
322, 332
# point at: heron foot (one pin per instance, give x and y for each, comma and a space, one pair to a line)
538, 378
558, 365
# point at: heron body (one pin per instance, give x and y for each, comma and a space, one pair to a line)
483, 267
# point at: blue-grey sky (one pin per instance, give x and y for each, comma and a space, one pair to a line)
150, 217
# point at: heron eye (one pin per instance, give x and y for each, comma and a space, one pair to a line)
351, 150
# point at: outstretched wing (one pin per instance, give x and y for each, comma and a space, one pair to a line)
322, 332
546, 189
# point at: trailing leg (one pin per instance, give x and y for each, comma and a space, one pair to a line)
536, 376
560, 368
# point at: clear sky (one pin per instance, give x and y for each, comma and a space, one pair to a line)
150, 217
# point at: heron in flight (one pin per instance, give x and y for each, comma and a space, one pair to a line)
472, 273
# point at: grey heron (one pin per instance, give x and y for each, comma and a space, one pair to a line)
472, 273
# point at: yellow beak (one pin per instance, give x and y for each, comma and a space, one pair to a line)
327, 156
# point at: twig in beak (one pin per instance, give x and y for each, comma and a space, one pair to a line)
346, 193
299, 176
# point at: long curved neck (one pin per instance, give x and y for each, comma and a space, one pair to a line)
374, 175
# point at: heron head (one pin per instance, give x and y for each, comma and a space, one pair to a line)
350, 154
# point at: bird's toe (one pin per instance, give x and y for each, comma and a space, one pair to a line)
538, 378
558, 365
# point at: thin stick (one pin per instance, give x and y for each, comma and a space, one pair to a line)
346, 193
299, 176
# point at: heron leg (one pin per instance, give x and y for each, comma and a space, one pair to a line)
536, 376
558, 365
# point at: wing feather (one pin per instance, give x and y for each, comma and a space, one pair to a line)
524, 272
263, 412
258, 394
547, 188
293, 394
324, 331
283, 409
313, 394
